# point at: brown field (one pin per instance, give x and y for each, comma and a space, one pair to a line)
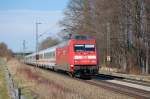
41, 84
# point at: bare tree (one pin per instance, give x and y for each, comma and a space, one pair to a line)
121, 27
48, 42
4, 51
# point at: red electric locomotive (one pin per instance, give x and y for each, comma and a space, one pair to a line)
78, 56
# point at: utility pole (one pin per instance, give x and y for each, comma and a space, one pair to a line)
37, 43
147, 59
37, 40
108, 58
24, 49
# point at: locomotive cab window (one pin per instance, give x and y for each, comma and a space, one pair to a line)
79, 48
89, 47
84, 47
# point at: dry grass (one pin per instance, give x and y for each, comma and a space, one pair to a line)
0, 83
48, 85
3, 84
40, 87
85, 90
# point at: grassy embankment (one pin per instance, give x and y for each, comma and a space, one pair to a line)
3, 83
41, 84
19, 80
18, 83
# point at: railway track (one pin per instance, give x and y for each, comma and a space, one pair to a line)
110, 77
117, 88
122, 89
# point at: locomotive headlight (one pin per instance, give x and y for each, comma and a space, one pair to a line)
77, 57
91, 57
71, 66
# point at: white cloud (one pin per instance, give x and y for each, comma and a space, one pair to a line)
17, 25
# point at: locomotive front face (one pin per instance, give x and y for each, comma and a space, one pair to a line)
85, 54
85, 57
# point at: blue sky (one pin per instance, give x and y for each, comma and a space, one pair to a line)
18, 18
33, 4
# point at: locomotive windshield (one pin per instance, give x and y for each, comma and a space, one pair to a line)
84, 47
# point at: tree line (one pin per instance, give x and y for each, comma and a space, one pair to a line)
121, 28
5, 51
48, 42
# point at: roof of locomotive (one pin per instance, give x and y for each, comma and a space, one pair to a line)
81, 37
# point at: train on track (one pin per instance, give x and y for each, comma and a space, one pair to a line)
77, 56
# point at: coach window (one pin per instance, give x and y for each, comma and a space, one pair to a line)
40, 56
45, 55
48, 55
53, 54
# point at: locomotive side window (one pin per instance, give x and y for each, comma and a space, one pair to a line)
84, 47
